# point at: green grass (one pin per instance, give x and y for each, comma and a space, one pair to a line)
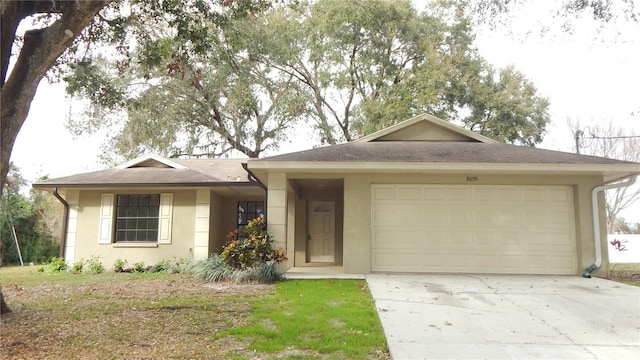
42, 275
161, 315
335, 318
628, 273
625, 267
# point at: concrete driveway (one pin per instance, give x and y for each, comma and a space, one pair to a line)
507, 317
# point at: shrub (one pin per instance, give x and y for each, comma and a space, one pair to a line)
57, 264
212, 269
177, 265
77, 266
94, 265
119, 264
215, 269
139, 267
266, 273
250, 259
163, 265
254, 250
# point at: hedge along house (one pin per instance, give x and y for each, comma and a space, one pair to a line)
420, 196
427, 196
151, 209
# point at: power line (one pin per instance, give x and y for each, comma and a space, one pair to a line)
614, 137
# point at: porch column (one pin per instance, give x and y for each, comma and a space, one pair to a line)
277, 210
357, 225
201, 226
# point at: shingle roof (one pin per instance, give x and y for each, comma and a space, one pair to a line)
434, 149
437, 152
199, 172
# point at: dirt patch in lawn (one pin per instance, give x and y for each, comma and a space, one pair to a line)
163, 318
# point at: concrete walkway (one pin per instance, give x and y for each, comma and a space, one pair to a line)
320, 272
507, 317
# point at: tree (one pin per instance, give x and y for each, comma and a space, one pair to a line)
64, 26
621, 226
39, 52
563, 14
369, 64
68, 32
607, 140
34, 219
199, 105
349, 68
505, 106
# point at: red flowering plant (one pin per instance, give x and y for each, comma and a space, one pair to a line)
619, 245
253, 250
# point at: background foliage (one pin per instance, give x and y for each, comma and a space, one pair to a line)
342, 68
36, 219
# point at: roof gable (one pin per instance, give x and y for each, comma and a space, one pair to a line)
425, 127
150, 160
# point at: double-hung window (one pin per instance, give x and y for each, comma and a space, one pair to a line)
137, 218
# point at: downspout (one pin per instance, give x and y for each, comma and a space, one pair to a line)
65, 221
252, 177
596, 221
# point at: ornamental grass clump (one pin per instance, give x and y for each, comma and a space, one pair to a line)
244, 259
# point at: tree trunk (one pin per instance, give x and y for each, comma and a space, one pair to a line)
4, 309
39, 52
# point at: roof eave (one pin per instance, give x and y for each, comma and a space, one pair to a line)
614, 171
141, 185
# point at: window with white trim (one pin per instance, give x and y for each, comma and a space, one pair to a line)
136, 218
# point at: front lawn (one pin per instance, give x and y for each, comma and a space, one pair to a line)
334, 319
162, 316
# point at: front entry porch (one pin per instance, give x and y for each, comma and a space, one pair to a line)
320, 272
315, 224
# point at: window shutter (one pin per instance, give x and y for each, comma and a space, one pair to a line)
106, 219
165, 218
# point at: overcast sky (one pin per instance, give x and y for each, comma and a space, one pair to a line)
586, 77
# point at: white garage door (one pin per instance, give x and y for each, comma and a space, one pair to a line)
473, 229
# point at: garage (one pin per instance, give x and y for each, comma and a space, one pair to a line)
496, 229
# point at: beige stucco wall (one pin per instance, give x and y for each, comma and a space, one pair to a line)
357, 215
200, 222
182, 239
277, 213
287, 207
300, 233
216, 224
291, 225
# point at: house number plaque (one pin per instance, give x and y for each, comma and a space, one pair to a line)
472, 178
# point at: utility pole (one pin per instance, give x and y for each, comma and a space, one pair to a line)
578, 134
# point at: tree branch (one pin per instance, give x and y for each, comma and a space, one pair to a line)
39, 52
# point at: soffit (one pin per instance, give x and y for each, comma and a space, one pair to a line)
609, 173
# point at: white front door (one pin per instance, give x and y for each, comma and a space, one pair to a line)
322, 238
